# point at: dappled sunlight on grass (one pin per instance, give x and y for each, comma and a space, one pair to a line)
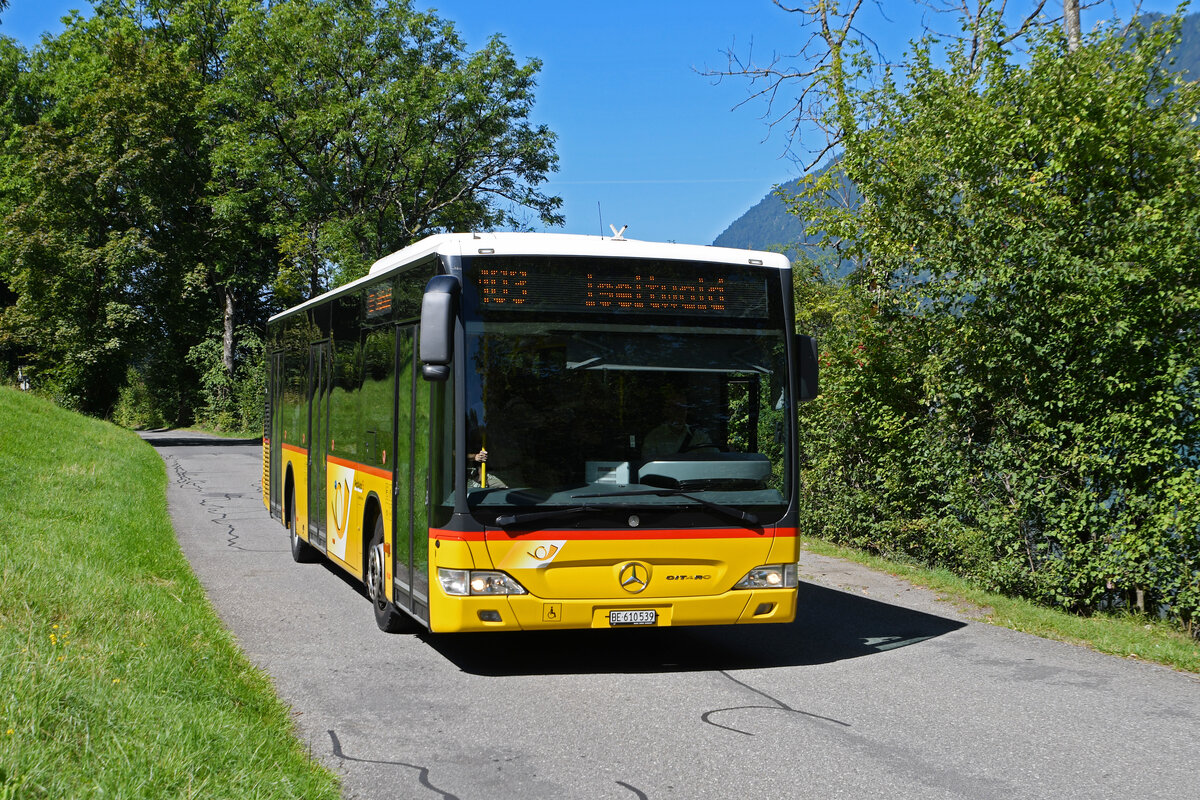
118, 679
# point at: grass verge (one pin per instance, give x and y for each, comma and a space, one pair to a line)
117, 679
1127, 635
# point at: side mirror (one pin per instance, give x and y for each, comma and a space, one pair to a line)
437, 327
805, 350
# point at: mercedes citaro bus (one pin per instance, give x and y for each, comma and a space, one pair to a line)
517, 431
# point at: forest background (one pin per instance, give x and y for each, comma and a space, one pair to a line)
172, 172
1002, 271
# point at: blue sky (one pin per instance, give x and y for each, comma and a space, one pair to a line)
644, 139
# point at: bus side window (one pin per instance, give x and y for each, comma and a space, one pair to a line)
345, 423
379, 363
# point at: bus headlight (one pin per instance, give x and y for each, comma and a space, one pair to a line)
771, 576
463, 582
494, 583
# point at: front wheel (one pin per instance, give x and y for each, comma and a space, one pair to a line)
389, 618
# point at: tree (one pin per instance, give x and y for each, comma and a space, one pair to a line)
16, 109
168, 167
1071, 23
95, 223
364, 126
1040, 222
239, 263
1011, 387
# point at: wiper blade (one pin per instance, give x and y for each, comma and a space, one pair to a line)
506, 520
729, 511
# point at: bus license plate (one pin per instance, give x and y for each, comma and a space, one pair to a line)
634, 617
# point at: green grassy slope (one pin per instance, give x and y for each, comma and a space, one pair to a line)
116, 678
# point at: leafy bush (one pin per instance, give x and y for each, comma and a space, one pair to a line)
1011, 386
231, 402
137, 407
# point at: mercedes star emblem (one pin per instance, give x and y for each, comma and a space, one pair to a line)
634, 577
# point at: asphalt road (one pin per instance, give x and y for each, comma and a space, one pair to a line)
877, 689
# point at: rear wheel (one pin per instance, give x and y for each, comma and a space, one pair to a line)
389, 618
302, 551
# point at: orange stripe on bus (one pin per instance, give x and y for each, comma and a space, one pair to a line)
376, 471
302, 451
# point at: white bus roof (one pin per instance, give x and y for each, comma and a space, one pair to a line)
565, 244
549, 244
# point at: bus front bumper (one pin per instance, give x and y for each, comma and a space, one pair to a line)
526, 612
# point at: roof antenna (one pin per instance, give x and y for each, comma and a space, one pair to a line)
600, 214
618, 235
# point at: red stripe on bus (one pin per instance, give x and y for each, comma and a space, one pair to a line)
610, 535
376, 471
302, 451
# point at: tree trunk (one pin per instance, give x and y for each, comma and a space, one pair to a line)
1071, 21
227, 335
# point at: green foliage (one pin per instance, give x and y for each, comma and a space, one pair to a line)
1011, 380
773, 221
90, 210
118, 680
231, 402
137, 408
362, 126
171, 167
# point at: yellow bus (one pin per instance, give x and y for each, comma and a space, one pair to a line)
515, 431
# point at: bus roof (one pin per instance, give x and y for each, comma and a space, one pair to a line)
565, 244
548, 244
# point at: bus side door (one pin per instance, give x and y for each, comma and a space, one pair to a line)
320, 382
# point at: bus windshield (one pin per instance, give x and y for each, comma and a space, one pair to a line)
672, 403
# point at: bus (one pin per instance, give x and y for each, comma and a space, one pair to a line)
518, 431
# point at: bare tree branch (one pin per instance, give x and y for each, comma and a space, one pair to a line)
804, 92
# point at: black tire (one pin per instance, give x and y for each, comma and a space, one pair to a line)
302, 551
389, 618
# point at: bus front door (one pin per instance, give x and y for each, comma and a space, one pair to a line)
403, 487
320, 382
410, 518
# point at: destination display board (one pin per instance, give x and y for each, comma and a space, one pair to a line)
620, 287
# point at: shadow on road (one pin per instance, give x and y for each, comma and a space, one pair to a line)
169, 438
830, 626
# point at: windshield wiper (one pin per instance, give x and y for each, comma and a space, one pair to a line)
743, 516
505, 520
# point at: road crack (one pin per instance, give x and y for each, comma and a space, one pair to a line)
219, 513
